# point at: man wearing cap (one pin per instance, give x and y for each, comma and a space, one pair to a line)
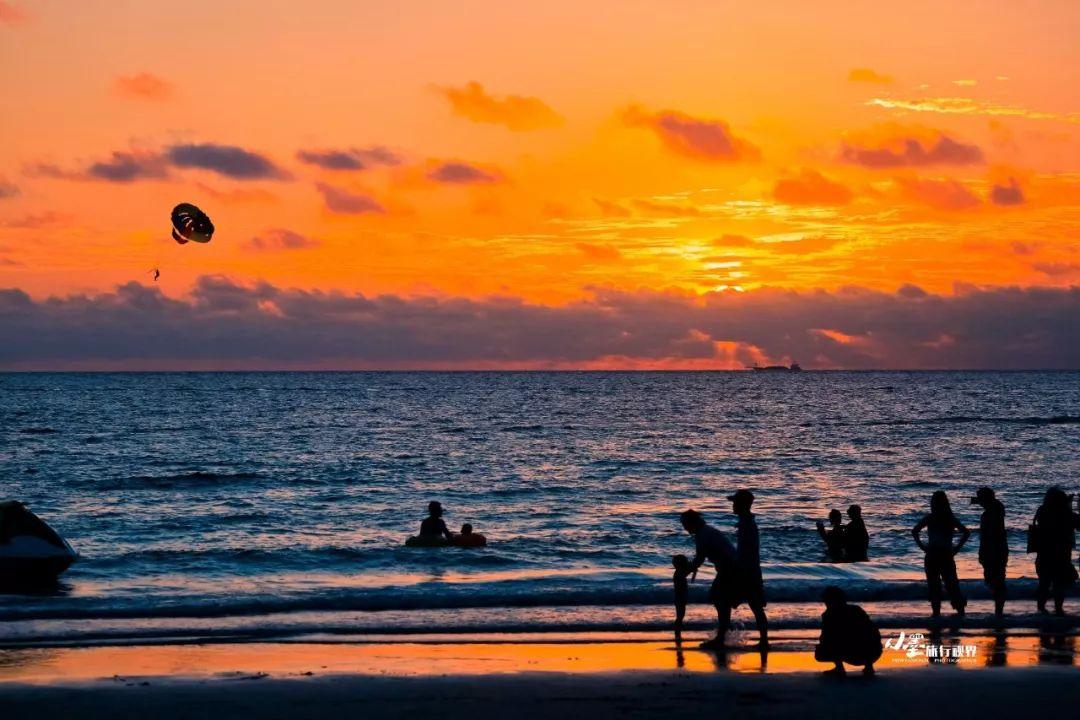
710, 544
748, 586
993, 545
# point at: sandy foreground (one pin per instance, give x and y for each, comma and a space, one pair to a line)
614, 679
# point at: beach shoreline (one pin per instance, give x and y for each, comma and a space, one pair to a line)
531, 691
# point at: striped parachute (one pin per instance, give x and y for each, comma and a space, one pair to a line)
190, 224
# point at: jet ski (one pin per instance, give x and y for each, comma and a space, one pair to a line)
31, 552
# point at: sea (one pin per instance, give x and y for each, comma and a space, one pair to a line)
257, 505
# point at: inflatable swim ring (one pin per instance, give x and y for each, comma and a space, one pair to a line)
472, 540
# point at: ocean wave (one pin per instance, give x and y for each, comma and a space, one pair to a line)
39, 431
469, 597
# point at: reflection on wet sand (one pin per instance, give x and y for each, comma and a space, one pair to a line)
792, 652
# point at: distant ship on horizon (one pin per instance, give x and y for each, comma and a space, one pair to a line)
793, 367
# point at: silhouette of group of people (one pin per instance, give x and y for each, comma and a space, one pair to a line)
845, 543
847, 633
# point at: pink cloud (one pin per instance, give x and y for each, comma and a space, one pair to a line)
704, 139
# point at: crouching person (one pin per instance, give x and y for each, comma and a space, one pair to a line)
848, 635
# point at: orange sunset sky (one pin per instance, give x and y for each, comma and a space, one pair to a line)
547, 156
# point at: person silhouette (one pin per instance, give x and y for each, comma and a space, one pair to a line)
940, 564
433, 526
711, 544
856, 539
467, 538
848, 635
749, 587
993, 545
680, 579
1053, 536
834, 536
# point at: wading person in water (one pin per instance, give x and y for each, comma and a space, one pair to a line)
748, 586
1053, 537
710, 544
940, 564
856, 539
834, 536
993, 546
433, 526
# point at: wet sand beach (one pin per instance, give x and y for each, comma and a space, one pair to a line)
607, 677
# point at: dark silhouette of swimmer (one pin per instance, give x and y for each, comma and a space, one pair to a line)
856, 539
1052, 537
993, 545
710, 544
748, 586
467, 538
433, 526
848, 635
940, 565
681, 580
834, 536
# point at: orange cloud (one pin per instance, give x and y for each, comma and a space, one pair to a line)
910, 148
599, 252
280, 239
1007, 194
943, 194
866, 75
516, 112
705, 139
143, 86
456, 172
344, 202
810, 187
664, 209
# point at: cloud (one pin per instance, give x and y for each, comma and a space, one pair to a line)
701, 139
143, 86
1010, 194
516, 112
349, 159
656, 208
222, 324
343, 202
969, 106
732, 241
1058, 269
228, 160
11, 14
610, 208
601, 253
866, 75
943, 194
36, 221
810, 187
7, 189
907, 151
122, 167
460, 173
280, 239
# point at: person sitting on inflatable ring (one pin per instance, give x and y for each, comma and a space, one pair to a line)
433, 527
468, 538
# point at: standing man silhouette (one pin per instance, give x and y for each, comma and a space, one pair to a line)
993, 545
748, 586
